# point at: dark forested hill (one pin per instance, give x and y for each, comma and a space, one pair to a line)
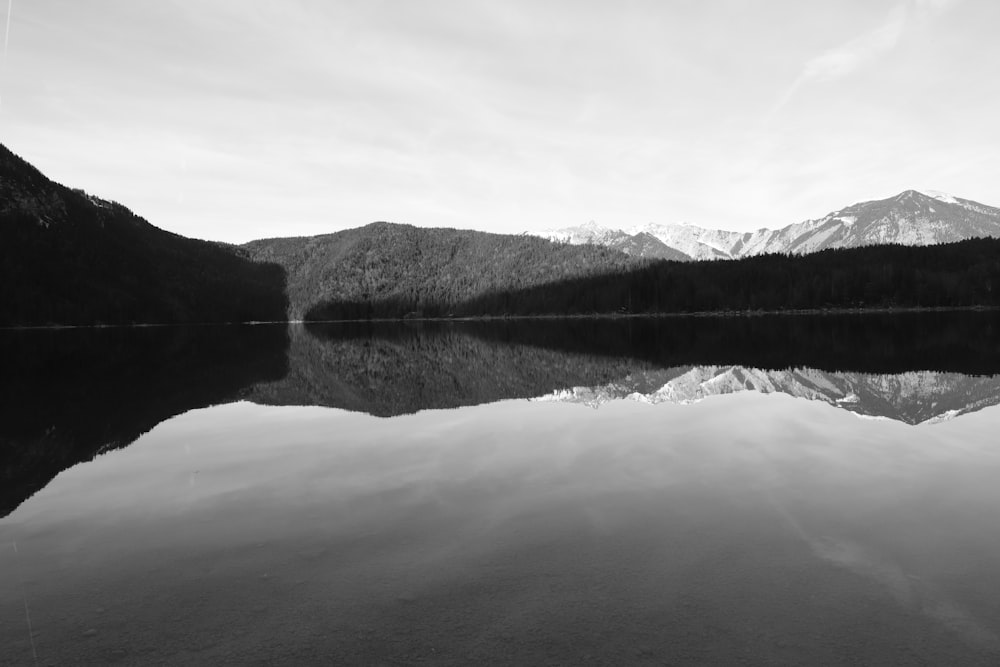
69, 258
962, 274
390, 270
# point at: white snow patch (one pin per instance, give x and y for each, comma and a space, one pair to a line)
943, 417
874, 418
941, 196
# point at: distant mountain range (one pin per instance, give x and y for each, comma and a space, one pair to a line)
910, 218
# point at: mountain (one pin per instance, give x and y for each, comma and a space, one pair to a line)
641, 243
915, 397
910, 218
385, 269
70, 258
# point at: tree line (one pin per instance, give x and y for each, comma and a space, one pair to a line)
961, 274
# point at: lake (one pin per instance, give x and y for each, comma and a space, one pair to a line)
750, 490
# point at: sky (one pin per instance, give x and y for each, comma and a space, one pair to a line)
239, 119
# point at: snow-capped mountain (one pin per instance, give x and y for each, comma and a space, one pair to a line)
639, 243
913, 398
909, 218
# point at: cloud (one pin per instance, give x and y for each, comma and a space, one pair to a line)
844, 59
6, 34
850, 56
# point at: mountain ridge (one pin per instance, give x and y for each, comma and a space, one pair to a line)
908, 218
394, 269
75, 259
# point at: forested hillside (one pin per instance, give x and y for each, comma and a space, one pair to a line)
390, 270
69, 258
966, 273
949, 275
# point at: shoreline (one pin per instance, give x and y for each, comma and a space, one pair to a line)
549, 317
702, 313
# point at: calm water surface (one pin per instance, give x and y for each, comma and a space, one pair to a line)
447, 495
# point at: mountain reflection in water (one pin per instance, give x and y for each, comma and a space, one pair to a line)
915, 397
69, 395
430, 519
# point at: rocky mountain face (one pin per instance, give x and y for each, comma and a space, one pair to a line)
910, 218
914, 397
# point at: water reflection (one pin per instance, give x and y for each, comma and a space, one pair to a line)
71, 395
750, 528
915, 397
389, 370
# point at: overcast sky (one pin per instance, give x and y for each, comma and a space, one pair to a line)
240, 119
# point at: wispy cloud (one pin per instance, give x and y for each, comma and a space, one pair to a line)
6, 33
842, 60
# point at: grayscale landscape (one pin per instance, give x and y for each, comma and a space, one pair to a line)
450, 333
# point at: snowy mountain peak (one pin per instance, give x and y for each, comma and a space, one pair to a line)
941, 196
909, 218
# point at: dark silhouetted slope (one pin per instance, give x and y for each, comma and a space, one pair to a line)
70, 258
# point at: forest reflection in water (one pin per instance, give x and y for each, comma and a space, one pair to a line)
71, 394
220, 516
